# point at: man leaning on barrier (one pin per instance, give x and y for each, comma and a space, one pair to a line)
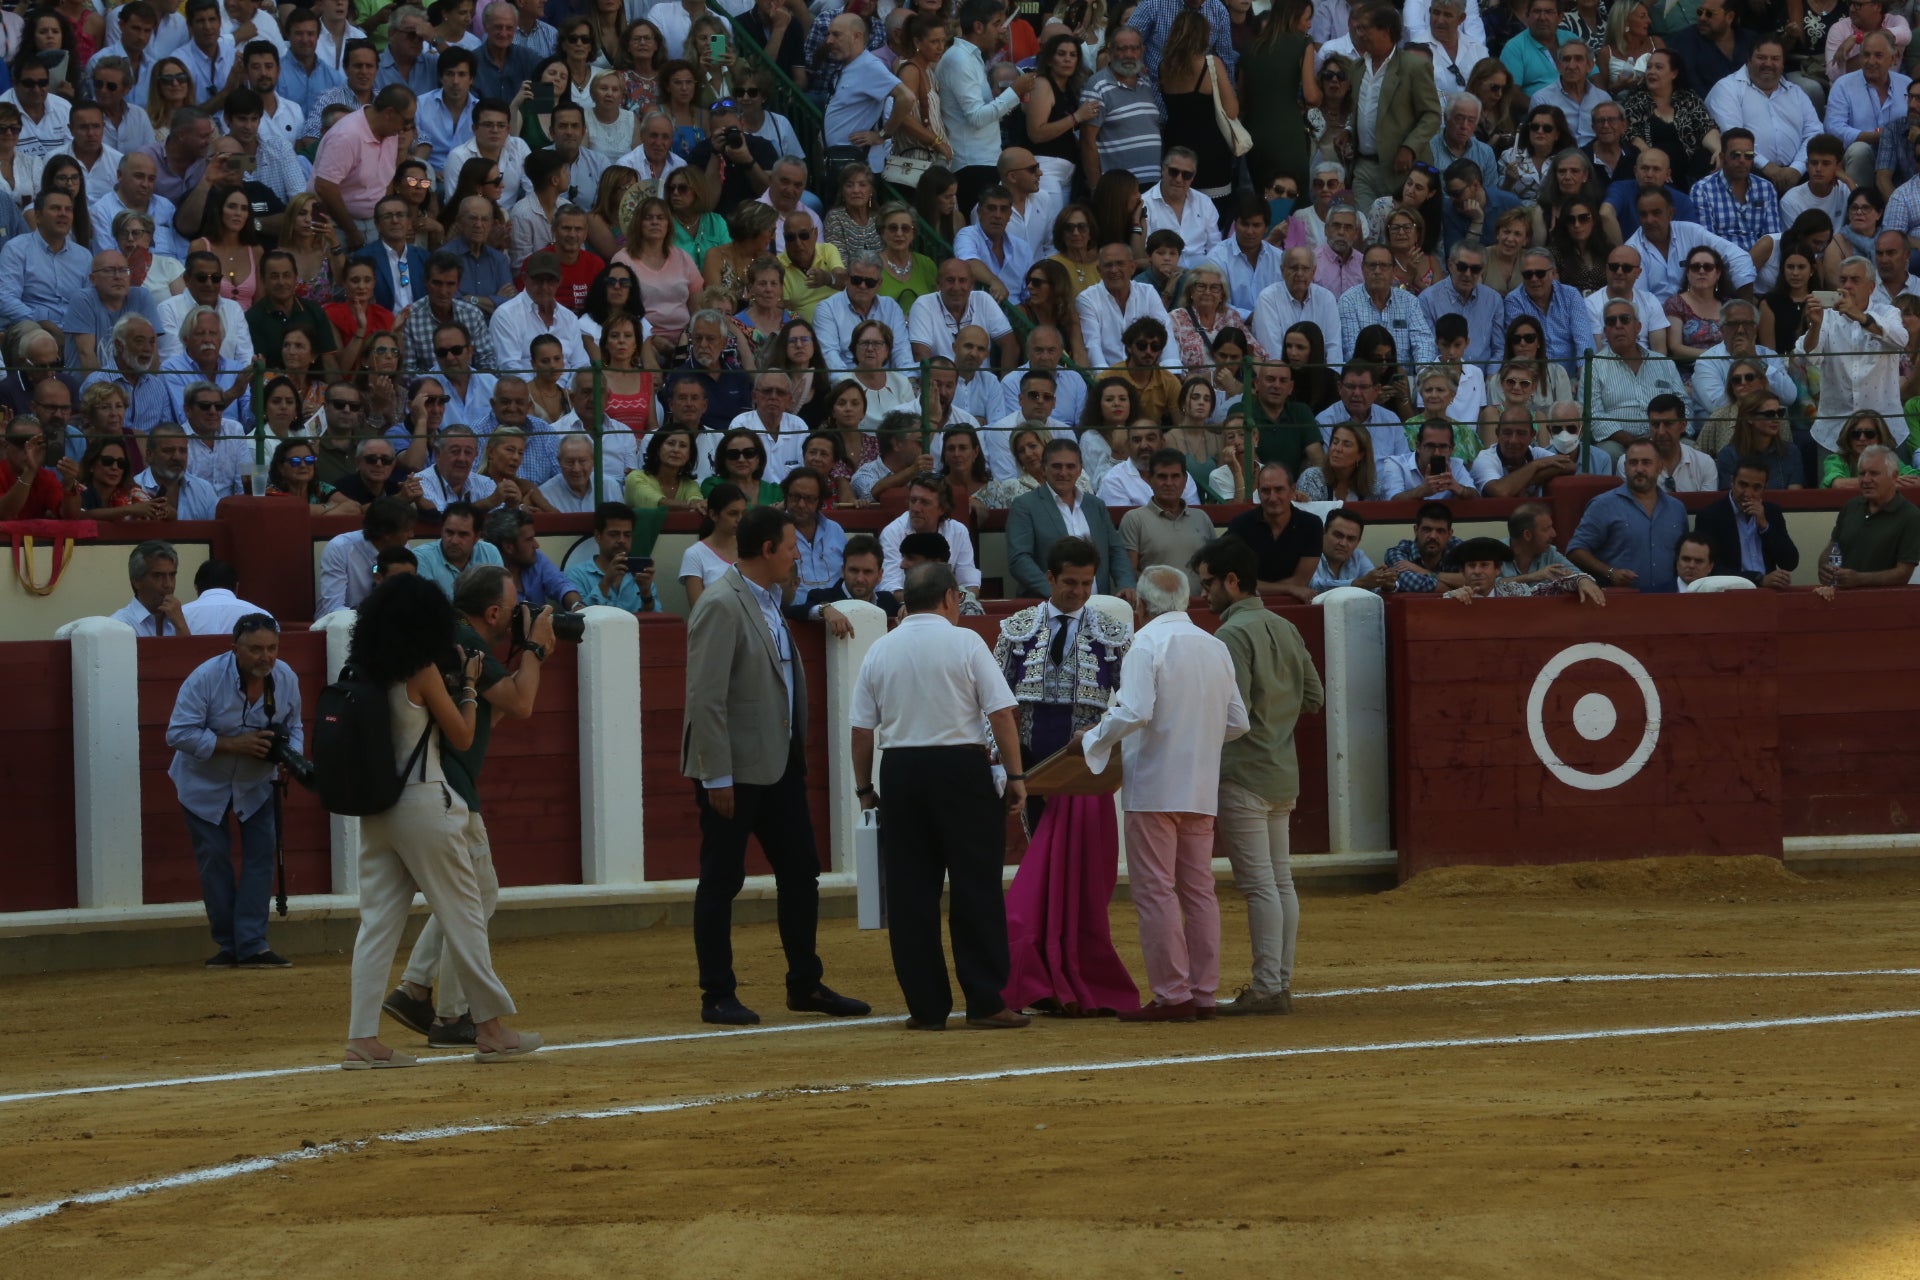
235, 717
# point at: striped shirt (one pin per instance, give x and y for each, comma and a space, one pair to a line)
1129, 124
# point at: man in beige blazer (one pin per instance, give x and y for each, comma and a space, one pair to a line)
1394, 130
744, 745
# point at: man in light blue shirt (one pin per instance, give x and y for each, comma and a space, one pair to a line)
458, 550
445, 116
225, 721
1342, 562
1251, 264
152, 568
1359, 406
95, 310
1560, 310
41, 273
1461, 294
970, 112
1628, 536
853, 113
167, 477
607, 578
1376, 300
304, 75
822, 542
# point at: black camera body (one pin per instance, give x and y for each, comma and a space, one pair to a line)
568, 627
733, 137
298, 767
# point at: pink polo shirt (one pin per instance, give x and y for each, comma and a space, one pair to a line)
360, 164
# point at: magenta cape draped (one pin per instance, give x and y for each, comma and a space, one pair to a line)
1057, 927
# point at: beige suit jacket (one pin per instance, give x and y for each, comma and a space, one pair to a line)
1409, 112
738, 722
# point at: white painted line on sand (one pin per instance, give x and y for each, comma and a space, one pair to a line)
260, 1164
275, 1073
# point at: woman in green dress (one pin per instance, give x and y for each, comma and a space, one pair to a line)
1277, 86
905, 276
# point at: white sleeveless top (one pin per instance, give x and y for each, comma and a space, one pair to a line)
408, 721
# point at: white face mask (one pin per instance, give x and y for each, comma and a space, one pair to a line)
1566, 441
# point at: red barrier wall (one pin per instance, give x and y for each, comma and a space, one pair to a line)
39, 867
530, 788
1472, 786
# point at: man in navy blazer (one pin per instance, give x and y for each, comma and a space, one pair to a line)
399, 265
1037, 519
1746, 526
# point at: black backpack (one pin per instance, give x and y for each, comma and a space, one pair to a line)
354, 767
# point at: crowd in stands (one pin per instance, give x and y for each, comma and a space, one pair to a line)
470, 263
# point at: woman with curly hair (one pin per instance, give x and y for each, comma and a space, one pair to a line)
646, 59
1050, 302
1202, 315
404, 643
1668, 114
614, 292
728, 264
825, 454
665, 478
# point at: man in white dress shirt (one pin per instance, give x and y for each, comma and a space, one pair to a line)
203, 278
1740, 331
970, 112
533, 311
782, 435
1857, 343
1251, 263
1130, 484
1032, 207
1107, 309
152, 568
1295, 299
1431, 472
1623, 282
1178, 704
937, 318
451, 478
1779, 113
999, 258
1664, 243
215, 607
1173, 205
929, 510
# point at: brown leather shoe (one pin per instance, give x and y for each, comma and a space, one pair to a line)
1005, 1020
914, 1024
1185, 1011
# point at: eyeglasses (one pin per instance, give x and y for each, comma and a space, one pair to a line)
1185, 175
378, 459
865, 282
1536, 274
436, 402
303, 460
1851, 435
204, 404
736, 454
1622, 268
113, 460
111, 271
1468, 268
458, 349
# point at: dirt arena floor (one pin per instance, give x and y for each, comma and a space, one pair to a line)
1434, 1132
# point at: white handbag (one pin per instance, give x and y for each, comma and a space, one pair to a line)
1239, 141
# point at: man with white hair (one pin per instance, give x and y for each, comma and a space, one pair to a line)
1877, 534
1739, 340
570, 489
1857, 343
1454, 37
1626, 378
1457, 140
1179, 703
1294, 299
201, 356
1779, 113
204, 276
782, 435
130, 367
1623, 282
1573, 93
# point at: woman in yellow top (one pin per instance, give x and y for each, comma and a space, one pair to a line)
665, 478
1073, 237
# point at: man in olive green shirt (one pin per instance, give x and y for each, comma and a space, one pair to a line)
1259, 776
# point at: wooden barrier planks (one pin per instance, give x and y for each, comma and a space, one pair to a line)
40, 871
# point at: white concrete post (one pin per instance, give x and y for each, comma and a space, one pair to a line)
1359, 797
106, 761
612, 843
843, 668
343, 832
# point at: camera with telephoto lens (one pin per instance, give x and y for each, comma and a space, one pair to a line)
570, 627
298, 767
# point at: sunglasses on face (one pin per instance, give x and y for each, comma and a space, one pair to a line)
1773, 413
436, 402
749, 93
1541, 126
345, 406
204, 405
865, 282
1535, 274
578, 37
1619, 321
1148, 344
736, 454
171, 77
1622, 268
303, 460
105, 86
1184, 175
459, 349
1744, 379
377, 459
1851, 435
113, 460
1468, 268
799, 235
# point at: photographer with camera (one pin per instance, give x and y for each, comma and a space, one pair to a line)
490, 614
235, 721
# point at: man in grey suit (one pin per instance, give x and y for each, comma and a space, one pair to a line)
744, 745
1041, 517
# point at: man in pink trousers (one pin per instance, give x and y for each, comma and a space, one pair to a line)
1178, 704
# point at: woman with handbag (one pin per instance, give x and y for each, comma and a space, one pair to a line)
1190, 77
927, 41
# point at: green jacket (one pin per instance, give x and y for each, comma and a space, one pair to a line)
1409, 112
1278, 683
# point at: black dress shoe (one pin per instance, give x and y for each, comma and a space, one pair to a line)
222, 960
265, 960
729, 1012
414, 1015
826, 1000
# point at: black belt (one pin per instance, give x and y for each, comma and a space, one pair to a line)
1374, 158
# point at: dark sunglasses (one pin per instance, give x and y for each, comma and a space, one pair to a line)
865, 282
41, 84
171, 77
105, 86
1768, 413
353, 405
1622, 268
799, 235
378, 459
456, 350
204, 404
116, 461
1535, 274
300, 460
1613, 321
435, 401
204, 277
1185, 175
740, 453
1468, 268
577, 37
1149, 344
1851, 435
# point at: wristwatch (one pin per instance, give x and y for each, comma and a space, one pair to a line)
537, 650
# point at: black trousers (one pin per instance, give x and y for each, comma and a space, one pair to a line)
940, 819
777, 816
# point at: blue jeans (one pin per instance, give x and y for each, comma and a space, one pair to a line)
236, 909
